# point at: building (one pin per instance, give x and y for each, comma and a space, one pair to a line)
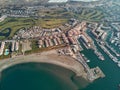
16, 46
103, 35
66, 40
50, 42
58, 40
2, 48
13, 47
72, 40
40, 43
55, 41
3, 18
85, 40
46, 43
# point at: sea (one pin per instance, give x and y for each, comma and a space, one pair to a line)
42, 76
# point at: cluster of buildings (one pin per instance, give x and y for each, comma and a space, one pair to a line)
2, 46
35, 32
25, 33
112, 10
19, 12
115, 38
13, 46
98, 32
2, 18
70, 37
34, 10
53, 40
80, 31
38, 31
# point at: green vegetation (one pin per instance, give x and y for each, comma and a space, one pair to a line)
2, 37
5, 31
51, 18
34, 44
36, 49
15, 24
5, 56
50, 23
56, 13
90, 15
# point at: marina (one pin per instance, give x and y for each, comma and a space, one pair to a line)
60, 45
119, 64
106, 48
100, 56
91, 72
108, 67
109, 63
112, 49
108, 53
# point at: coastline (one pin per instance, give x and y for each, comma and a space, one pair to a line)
50, 57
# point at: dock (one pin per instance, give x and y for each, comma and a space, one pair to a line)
78, 43
115, 59
97, 73
99, 54
108, 46
93, 73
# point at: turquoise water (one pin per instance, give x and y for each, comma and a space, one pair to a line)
6, 52
49, 77
112, 45
35, 76
110, 69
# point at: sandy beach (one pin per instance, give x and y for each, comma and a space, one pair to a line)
51, 57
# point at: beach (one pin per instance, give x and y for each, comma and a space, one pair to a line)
50, 57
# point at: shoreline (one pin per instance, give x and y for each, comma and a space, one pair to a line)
49, 57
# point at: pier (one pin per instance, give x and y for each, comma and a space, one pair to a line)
91, 72
98, 72
78, 43
99, 54
82, 61
108, 46
108, 53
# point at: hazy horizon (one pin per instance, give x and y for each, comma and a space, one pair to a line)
72, 0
